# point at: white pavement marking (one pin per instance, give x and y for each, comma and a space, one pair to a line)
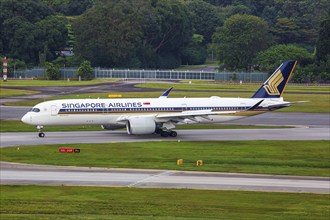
147, 179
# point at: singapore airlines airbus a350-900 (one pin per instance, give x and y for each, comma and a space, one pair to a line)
160, 115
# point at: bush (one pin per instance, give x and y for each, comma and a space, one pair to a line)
85, 71
52, 71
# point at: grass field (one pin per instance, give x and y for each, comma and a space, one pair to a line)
15, 92
64, 202
270, 157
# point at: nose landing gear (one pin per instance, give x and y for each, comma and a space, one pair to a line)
41, 134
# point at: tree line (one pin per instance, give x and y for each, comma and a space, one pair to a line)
241, 35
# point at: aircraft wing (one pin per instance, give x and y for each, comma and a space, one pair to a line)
195, 115
192, 115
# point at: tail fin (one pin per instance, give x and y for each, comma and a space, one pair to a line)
276, 83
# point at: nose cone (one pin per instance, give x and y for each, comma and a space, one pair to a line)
26, 119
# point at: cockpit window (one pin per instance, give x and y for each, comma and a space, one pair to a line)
35, 110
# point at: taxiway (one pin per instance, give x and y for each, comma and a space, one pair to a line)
31, 138
12, 173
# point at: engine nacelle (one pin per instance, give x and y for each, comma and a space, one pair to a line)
112, 126
141, 125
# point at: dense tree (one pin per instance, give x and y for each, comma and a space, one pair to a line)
18, 39
196, 52
323, 41
306, 14
194, 55
133, 33
51, 33
271, 58
28, 31
205, 19
31, 10
285, 30
226, 12
240, 39
306, 71
108, 33
17, 28
175, 27
313, 73
69, 7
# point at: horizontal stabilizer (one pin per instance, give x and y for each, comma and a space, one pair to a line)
285, 104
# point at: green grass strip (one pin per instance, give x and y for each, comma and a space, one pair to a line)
310, 158
15, 92
203, 85
64, 202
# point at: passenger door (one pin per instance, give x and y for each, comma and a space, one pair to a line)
54, 110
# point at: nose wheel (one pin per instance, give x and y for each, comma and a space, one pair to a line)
41, 134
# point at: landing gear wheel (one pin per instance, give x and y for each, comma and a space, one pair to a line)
173, 134
41, 134
164, 134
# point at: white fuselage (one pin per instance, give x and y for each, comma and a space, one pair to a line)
112, 111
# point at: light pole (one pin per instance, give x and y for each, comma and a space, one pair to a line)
5, 68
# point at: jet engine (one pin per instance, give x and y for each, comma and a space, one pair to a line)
141, 125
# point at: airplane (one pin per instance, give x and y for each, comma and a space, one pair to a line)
161, 115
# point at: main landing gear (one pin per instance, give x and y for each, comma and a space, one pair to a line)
166, 133
41, 134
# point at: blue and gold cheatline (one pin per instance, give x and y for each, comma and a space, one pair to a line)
275, 84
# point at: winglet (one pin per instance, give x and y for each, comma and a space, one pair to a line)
166, 93
276, 83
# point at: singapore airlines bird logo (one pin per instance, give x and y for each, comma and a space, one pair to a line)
273, 83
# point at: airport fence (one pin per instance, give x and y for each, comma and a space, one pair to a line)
149, 74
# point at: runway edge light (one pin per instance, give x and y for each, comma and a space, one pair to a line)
179, 162
199, 163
